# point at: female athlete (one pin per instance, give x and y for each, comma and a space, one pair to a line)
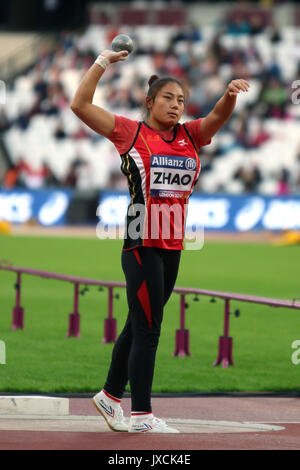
159, 157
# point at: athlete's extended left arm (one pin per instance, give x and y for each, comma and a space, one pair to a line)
223, 109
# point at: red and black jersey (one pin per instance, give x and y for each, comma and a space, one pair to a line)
161, 176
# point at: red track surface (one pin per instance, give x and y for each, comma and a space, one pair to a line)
265, 410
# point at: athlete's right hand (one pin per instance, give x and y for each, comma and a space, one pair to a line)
115, 56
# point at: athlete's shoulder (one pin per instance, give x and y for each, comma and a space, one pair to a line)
123, 122
193, 128
192, 124
124, 133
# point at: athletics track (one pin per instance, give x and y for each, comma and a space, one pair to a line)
205, 422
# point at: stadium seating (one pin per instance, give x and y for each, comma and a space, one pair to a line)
32, 133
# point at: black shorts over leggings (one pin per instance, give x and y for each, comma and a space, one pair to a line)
150, 278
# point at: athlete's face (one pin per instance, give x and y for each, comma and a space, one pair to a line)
167, 107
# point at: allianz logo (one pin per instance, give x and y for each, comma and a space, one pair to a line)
190, 164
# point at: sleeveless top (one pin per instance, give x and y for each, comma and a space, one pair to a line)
161, 176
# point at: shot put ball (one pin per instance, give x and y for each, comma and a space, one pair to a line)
122, 42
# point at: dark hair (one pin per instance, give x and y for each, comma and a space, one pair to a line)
155, 84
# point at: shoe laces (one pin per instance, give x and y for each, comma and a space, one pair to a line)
159, 422
119, 413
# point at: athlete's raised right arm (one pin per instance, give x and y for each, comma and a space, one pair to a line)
82, 105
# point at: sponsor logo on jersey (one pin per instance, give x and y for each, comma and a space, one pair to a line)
171, 194
164, 161
153, 138
190, 164
171, 176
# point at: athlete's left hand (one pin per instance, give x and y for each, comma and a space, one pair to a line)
235, 86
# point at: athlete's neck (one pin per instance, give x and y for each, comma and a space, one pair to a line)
159, 126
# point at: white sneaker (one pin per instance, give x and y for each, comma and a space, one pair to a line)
111, 411
149, 424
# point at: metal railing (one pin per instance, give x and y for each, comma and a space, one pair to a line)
182, 347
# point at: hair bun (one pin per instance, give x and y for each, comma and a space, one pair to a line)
152, 79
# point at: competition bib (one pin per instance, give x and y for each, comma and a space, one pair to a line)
171, 176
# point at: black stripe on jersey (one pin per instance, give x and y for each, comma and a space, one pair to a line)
197, 152
134, 140
131, 171
125, 168
190, 137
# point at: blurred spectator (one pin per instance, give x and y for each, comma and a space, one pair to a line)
23, 120
40, 85
259, 137
85, 176
257, 24
50, 180
23, 175
80, 175
189, 32
297, 184
238, 25
217, 50
55, 101
274, 99
249, 130
4, 121
59, 132
275, 35
71, 178
283, 186
250, 177
12, 177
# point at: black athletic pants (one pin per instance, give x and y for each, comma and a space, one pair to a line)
150, 278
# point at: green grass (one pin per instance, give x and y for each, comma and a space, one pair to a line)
41, 359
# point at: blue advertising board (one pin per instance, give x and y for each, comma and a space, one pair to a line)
214, 212
219, 212
48, 207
